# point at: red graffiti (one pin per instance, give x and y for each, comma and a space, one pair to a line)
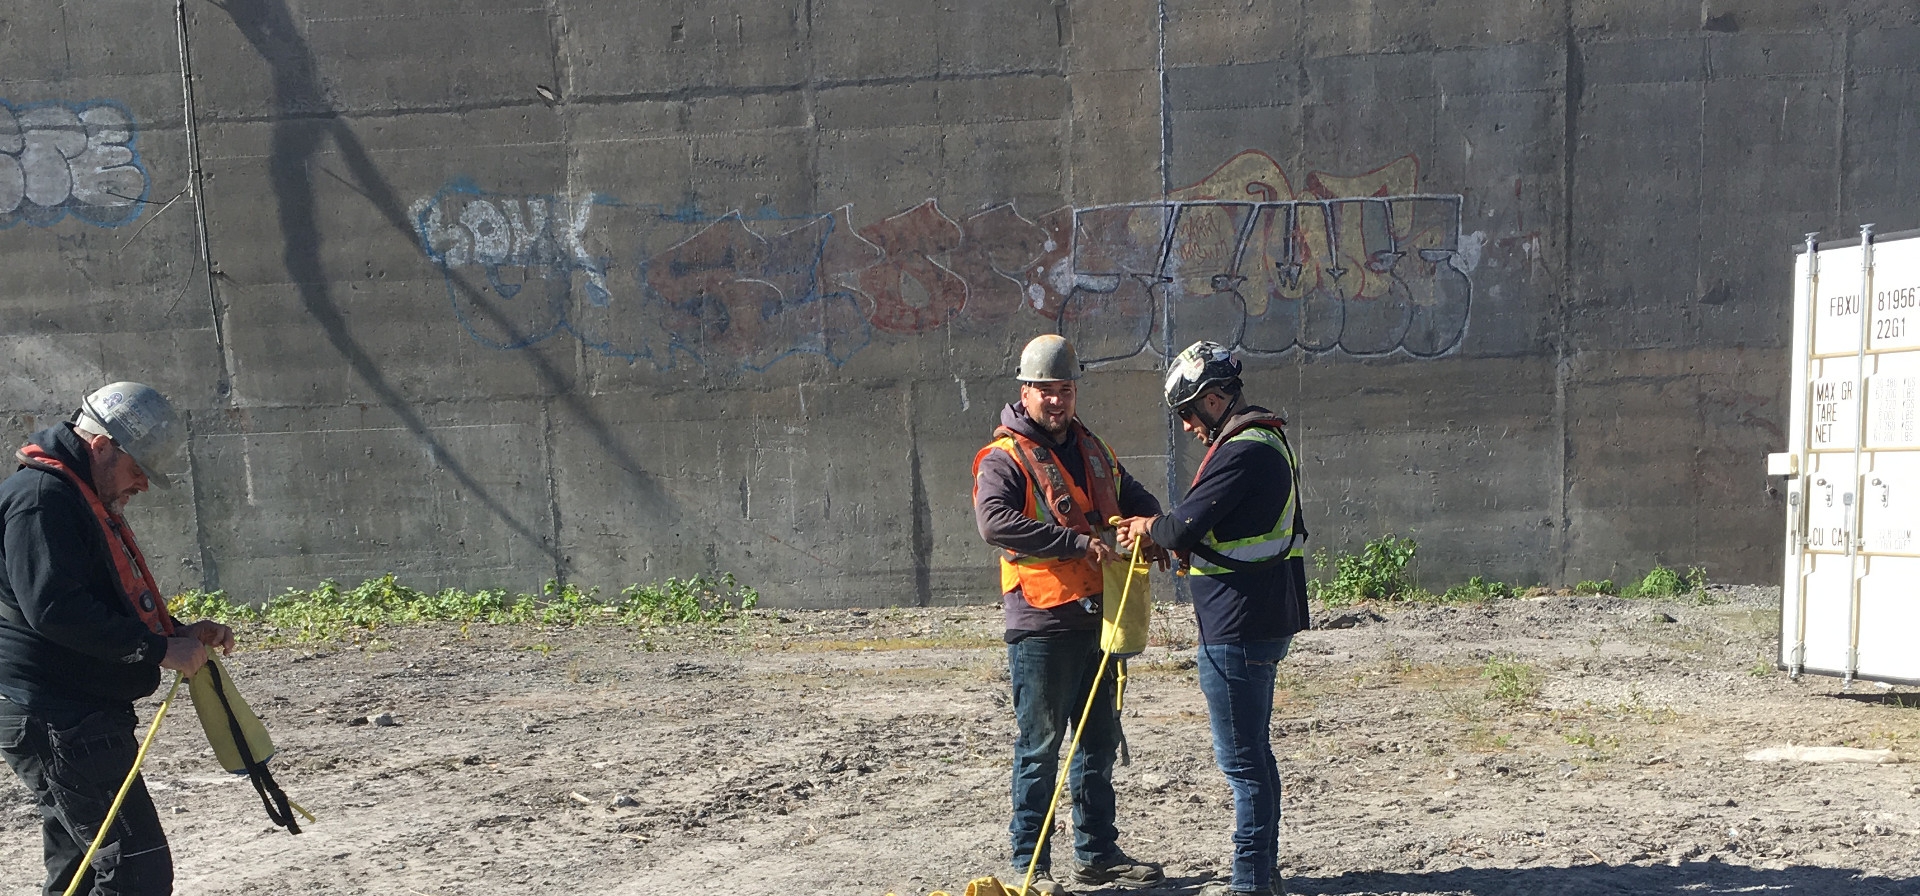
910, 291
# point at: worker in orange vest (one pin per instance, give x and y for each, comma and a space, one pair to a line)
1043, 492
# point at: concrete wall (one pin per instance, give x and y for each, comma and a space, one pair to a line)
502, 291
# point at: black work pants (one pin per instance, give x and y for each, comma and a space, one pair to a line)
75, 762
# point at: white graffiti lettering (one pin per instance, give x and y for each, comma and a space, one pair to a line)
60, 159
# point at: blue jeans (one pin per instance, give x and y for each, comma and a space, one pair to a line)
1237, 680
1050, 675
74, 762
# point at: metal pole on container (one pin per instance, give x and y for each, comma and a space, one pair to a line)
1797, 505
1856, 518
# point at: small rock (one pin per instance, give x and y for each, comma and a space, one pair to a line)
356, 721
623, 801
1877, 830
1154, 783
1452, 774
179, 810
381, 720
1660, 618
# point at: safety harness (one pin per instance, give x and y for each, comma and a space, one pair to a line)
130, 567
1053, 496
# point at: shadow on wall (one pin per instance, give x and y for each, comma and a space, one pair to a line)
303, 127
1363, 265
1693, 878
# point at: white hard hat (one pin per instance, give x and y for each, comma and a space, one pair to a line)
142, 422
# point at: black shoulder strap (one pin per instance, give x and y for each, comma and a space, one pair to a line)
272, 798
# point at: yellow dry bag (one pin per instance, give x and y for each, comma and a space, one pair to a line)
1126, 604
240, 742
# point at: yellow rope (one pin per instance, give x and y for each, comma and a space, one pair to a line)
1066, 765
118, 798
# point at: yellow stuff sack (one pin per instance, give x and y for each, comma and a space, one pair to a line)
1126, 603
226, 718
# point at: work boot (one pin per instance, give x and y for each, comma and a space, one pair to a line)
1043, 883
1118, 871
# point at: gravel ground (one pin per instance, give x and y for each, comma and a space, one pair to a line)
1558, 744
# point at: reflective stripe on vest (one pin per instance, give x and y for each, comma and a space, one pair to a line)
1278, 541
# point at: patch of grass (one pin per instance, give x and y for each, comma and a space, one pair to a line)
1377, 572
1511, 681
1484, 740
1584, 737
332, 612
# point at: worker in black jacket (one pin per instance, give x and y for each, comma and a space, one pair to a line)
84, 632
1239, 530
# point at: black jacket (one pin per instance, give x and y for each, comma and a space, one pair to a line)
1243, 493
69, 639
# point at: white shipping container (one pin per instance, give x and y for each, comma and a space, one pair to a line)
1851, 602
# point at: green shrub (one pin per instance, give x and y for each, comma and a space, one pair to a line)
1377, 572
1478, 590
1588, 586
1664, 582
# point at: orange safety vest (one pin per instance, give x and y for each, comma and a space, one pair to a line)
1053, 497
129, 566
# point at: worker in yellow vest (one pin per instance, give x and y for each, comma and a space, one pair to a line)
1243, 538
1043, 492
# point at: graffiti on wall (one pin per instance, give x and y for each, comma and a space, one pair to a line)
59, 159
1365, 265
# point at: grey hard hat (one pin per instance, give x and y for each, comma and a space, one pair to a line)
1048, 359
142, 422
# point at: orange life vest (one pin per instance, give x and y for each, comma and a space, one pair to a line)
1053, 497
136, 581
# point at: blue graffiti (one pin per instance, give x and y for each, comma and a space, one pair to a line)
726, 292
59, 159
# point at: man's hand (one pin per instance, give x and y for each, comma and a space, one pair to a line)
210, 634
1134, 528
1101, 552
184, 655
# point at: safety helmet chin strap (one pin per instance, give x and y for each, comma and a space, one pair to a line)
1213, 425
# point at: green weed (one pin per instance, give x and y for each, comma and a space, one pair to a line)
1588, 586
331, 612
1511, 681
1377, 572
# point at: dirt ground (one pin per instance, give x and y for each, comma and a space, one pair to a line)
867, 752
